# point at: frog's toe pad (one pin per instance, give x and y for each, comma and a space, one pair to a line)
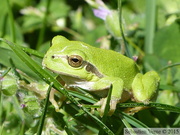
112, 106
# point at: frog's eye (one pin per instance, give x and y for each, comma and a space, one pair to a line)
75, 60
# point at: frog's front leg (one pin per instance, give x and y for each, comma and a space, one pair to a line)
144, 87
56, 104
117, 90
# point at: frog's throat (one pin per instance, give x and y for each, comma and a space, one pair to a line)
91, 68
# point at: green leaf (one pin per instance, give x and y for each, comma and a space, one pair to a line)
7, 54
167, 43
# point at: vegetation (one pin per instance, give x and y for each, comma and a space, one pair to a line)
146, 30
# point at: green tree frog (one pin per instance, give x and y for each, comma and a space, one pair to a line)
94, 69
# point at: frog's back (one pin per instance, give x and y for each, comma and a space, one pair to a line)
111, 63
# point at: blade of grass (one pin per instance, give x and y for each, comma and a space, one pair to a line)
32, 52
177, 121
156, 105
133, 121
106, 110
121, 29
1, 108
27, 50
126, 123
41, 123
12, 27
42, 31
5, 72
165, 107
83, 97
150, 25
48, 78
1, 98
169, 66
22, 128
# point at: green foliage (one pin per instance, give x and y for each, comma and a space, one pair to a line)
28, 27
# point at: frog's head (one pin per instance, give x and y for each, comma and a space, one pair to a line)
70, 58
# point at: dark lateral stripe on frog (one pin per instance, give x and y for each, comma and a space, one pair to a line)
91, 68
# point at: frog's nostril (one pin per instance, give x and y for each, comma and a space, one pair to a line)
52, 56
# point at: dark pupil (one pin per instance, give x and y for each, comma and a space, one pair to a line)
75, 60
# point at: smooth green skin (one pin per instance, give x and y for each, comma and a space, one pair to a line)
109, 68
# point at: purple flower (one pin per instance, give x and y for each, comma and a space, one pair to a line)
23, 106
101, 12
1, 78
135, 58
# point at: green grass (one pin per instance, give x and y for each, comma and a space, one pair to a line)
26, 30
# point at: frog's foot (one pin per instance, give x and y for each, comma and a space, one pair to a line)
102, 103
56, 104
144, 87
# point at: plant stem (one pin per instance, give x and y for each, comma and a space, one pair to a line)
12, 27
150, 25
121, 29
42, 31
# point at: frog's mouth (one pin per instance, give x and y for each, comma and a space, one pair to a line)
71, 81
